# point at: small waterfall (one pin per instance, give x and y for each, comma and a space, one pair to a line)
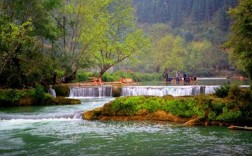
52, 92
94, 91
78, 115
167, 90
210, 89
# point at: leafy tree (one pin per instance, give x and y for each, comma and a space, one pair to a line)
120, 38
81, 22
25, 28
171, 52
241, 37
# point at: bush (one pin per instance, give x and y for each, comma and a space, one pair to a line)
10, 96
82, 76
126, 105
153, 104
204, 107
40, 95
110, 77
234, 92
222, 91
229, 115
184, 108
39, 92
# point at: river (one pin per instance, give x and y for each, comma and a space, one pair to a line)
59, 130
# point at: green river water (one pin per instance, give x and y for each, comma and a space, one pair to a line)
59, 130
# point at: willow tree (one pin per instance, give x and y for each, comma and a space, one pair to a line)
119, 39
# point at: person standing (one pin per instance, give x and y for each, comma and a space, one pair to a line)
166, 77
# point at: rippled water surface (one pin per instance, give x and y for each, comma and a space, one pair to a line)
58, 130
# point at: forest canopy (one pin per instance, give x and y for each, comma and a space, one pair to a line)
43, 39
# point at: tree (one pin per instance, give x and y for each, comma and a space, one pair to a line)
120, 39
25, 27
241, 37
81, 22
170, 53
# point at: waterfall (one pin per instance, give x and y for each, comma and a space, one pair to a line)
210, 89
167, 90
52, 92
93, 91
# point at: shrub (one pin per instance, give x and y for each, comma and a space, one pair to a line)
234, 92
184, 108
212, 116
126, 105
39, 92
229, 115
82, 76
11, 96
40, 95
110, 77
222, 91
153, 104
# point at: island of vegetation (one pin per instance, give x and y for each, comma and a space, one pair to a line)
229, 105
35, 96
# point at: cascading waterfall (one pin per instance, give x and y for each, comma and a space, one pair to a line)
52, 92
94, 91
167, 90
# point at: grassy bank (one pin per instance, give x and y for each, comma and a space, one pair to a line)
35, 96
232, 108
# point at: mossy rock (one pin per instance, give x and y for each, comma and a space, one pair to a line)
62, 90
92, 115
63, 101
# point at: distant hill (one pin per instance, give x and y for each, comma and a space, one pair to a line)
178, 12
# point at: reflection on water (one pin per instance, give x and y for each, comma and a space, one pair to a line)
73, 136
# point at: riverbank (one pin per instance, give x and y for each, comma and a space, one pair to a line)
31, 97
233, 109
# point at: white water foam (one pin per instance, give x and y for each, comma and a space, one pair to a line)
167, 90
95, 91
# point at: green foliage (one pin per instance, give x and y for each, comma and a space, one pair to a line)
146, 77
222, 91
111, 77
204, 107
82, 76
135, 76
10, 96
131, 105
234, 92
152, 104
126, 106
22, 58
119, 39
183, 108
241, 36
40, 95
229, 115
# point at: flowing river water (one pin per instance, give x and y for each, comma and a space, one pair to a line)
59, 130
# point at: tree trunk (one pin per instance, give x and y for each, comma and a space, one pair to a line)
103, 70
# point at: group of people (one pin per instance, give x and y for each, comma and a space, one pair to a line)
178, 78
